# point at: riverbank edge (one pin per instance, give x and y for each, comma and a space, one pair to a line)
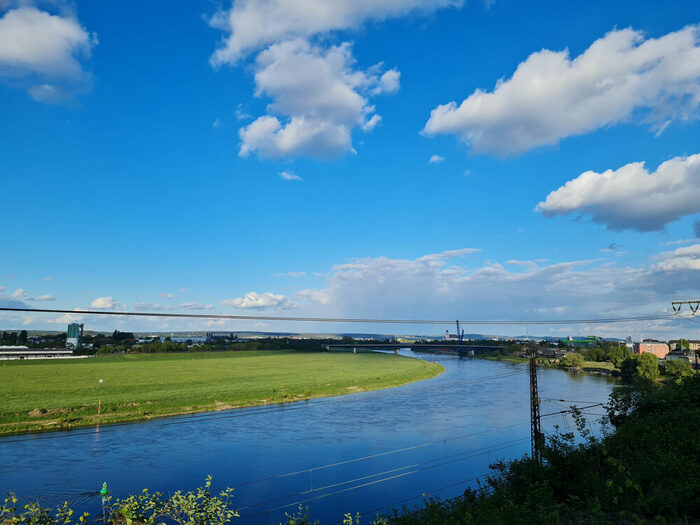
124, 419
606, 370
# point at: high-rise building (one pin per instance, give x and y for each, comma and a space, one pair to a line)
75, 332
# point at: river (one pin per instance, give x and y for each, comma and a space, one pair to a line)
450, 427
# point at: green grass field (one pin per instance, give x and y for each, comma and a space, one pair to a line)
61, 394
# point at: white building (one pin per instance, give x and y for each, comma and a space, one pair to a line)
23, 352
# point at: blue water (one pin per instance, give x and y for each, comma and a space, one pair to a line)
453, 426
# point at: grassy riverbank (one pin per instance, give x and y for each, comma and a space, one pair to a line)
63, 394
588, 366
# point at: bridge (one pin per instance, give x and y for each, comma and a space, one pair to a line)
460, 349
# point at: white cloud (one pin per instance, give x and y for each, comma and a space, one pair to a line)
319, 96
389, 82
685, 258
20, 294
106, 302
372, 123
620, 77
166, 295
253, 24
43, 52
143, 305
260, 301
196, 306
436, 159
48, 278
631, 197
3, 288
241, 113
289, 175
432, 287
679, 241
184, 290
67, 319
155, 307
291, 274
217, 123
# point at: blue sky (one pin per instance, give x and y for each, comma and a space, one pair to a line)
272, 159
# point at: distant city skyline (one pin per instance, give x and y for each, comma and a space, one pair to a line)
435, 159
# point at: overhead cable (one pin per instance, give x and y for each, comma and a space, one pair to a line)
606, 320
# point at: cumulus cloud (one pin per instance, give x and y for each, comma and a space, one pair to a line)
620, 77
319, 96
432, 286
253, 24
20, 294
43, 53
260, 301
166, 295
106, 302
685, 258
436, 159
631, 197
289, 175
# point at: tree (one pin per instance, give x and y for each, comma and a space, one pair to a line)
677, 368
22, 339
573, 360
643, 366
683, 345
648, 367
616, 354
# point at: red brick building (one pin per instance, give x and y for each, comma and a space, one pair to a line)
658, 349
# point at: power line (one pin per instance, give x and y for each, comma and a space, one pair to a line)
433, 463
606, 320
362, 485
418, 496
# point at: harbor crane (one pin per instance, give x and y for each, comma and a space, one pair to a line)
460, 335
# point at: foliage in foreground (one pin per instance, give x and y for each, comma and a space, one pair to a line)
197, 507
645, 471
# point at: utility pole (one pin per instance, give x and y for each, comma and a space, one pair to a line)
536, 435
694, 306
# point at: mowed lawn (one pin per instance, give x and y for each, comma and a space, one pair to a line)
62, 394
